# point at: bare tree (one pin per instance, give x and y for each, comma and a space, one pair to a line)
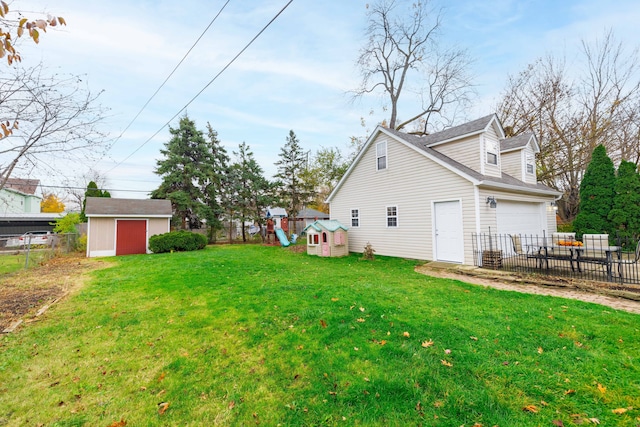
56, 116
403, 54
574, 110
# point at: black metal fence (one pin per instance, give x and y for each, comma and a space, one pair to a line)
597, 257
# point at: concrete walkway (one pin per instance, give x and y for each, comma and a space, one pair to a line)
510, 281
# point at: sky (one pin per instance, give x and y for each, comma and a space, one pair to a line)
297, 75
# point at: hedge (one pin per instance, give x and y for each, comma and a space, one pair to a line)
177, 241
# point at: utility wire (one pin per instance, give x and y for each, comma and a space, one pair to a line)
204, 88
171, 74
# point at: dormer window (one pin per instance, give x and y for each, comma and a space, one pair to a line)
530, 165
381, 155
492, 158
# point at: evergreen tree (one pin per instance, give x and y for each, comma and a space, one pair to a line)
183, 171
625, 215
216, 184
291, 167
596, 195
91, 191
254, 190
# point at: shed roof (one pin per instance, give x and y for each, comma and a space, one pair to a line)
327, 224
107, 206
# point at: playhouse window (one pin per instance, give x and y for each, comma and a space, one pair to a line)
381, 155
392, 216
355, 217
313, 239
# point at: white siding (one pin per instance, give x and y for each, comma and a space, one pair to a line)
411, 182
491, 143
512, 164
466, 151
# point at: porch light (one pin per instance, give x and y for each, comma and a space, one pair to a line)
554, 205
491, 201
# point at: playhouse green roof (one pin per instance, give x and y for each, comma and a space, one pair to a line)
327, 224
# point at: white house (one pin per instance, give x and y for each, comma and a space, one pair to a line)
19, 197
422, 197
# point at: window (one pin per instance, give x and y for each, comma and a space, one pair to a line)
529, 164
392, 216
492, 158
313, 239
381, 155
355, 217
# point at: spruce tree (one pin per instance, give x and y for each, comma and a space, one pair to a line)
625, 215
183, 170
254, 190
216, 184
596, 195
291, 166
91, 191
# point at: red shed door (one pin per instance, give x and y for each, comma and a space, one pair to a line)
131, 237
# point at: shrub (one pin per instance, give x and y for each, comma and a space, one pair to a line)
177, 241
368, 252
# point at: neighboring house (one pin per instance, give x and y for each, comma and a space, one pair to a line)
422, 197
123, 226
307, 216
19, 197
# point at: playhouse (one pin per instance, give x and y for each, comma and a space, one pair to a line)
327, 238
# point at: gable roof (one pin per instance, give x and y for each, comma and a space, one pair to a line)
312, 213
423, 144
461, 131
272, 212
519, 142
329, 225
24, 186
111, 207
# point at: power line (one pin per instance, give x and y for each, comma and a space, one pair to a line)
171, 74
205, 87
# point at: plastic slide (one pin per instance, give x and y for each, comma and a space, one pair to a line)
282, 237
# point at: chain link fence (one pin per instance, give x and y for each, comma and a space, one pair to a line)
32, 249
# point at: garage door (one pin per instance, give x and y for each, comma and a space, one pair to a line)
520, 218
131, 237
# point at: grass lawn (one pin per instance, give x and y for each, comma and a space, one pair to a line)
253, 335
11, 262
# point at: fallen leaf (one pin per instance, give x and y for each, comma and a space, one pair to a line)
531, 408
120, 423
438, 404
406, 334
356, 348
360, 320
446, 363
232, 404
569, 392
619, 411
323, 323
418, 407
382, 342
543, 403
540, 350
162, 407
595, 420
362, 309
427, 343
334, 299
474, 338
161, 377
558, 423
602, 389
447, 351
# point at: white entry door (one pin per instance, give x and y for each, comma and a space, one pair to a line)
449, 239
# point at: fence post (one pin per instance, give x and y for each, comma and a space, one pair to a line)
28, 249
